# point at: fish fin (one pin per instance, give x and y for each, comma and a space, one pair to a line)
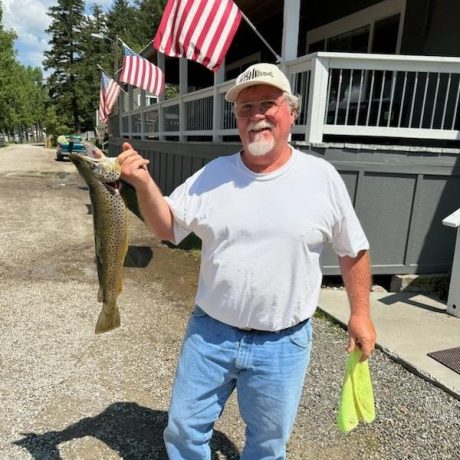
100, 294
119, 285
108, 321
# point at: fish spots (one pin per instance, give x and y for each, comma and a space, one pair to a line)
110, 227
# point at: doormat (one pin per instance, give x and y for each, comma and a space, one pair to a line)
450, 358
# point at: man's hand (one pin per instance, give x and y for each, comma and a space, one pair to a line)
134, 167
361, 334
154, 208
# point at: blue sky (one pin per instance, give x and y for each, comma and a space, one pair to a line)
29, 19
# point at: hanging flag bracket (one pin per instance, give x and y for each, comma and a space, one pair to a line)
251, 25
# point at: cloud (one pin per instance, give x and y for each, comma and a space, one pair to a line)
26, 16
29, 19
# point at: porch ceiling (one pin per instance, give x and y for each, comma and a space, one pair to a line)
258, 11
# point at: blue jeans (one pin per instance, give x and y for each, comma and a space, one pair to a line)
267, 369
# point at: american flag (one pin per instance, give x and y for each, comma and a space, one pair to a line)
108, 95
199, 30
141, 73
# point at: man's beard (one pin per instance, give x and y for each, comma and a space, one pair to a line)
260, 146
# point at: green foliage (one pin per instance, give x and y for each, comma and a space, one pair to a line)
64, 58
148, 19
68, 100
171, 91
55, 125
22, 92
121, 22
94, 52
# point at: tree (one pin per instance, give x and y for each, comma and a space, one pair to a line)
122, 23
148, 18
36, 97
65, 87
8, 76
94, 52
22, 92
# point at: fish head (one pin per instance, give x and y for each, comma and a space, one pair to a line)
95, 166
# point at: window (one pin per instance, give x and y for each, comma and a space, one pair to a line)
355, 41
376, 29
386, 35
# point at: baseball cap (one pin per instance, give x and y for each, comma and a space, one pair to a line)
259, 74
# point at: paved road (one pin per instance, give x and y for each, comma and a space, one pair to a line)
66, 393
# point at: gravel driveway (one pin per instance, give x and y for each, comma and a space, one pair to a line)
67, 393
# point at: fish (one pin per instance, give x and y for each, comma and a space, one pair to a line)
110, 219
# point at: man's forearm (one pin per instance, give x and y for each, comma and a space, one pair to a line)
356, 274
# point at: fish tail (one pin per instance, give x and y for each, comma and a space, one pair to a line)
108, 320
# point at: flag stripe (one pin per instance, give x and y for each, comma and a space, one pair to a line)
230, 27
108, 95
203, 25
141, 73
210, 41
198, 30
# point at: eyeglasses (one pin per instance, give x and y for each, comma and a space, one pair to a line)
248, 109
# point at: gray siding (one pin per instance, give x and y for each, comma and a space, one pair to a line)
400, 197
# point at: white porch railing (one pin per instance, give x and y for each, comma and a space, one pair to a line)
342, 94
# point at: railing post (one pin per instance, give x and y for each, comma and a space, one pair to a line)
453, 300
121, 110
161, 121
317, 100
291, 21
183, 90
143, 104
130, 109
219, 77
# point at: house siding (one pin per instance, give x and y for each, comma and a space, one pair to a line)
400, 196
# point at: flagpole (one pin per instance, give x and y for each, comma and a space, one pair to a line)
145, 47
251, 25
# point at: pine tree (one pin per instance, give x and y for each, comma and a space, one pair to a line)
64, 59
122, 23
95, 51
148, 18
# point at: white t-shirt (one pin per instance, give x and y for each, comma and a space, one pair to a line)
262, 237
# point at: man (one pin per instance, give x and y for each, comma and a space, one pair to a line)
264, 215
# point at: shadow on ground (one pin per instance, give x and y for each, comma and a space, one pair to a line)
134, 431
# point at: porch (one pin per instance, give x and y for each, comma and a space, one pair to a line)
390, 125
374, 98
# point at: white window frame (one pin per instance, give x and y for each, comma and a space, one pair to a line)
366, 17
